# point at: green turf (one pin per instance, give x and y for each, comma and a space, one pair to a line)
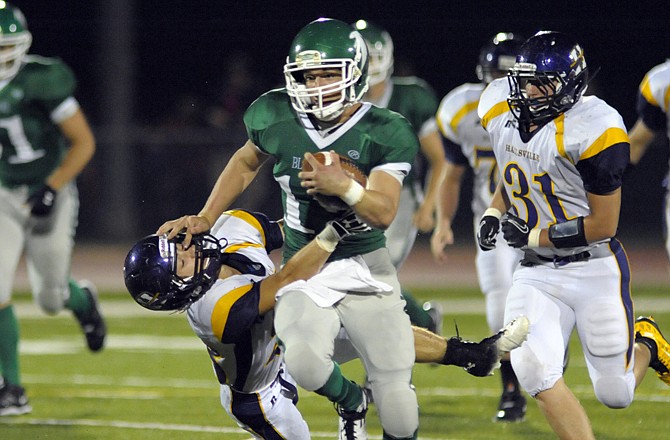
154, 381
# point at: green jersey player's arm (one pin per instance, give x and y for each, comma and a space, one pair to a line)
238, 173
76, 130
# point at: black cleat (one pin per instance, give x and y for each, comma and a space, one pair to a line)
91, 321
481, 358
512, 408
13, 400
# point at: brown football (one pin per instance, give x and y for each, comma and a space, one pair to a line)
334, 203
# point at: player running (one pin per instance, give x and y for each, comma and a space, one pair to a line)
562, 156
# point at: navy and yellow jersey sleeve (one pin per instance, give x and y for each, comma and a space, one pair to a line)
653, 98
600, 147
247, 239
227, 311
271, 109
454, 153
273, 235
652, 115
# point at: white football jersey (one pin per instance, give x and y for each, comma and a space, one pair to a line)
459, 122
655, 89
547, 178
226, 318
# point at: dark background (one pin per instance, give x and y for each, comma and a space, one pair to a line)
153, 75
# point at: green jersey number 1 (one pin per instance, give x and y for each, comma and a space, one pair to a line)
17, 137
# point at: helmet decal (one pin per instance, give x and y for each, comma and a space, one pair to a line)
380, 51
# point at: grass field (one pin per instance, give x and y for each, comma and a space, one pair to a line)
154, 381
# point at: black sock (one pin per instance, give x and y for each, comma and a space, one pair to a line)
509, 380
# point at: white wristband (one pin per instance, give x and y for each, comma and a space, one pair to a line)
354, 193
493, 212
534, 238
328, 238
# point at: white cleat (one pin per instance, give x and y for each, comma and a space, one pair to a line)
513, 335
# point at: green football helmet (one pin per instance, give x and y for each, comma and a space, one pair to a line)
15, 40
380, 48
327, 44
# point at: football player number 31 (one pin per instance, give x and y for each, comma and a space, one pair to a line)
516, 179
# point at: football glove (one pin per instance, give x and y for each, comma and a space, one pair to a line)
42, 201
489, 226
350, 224
515, 231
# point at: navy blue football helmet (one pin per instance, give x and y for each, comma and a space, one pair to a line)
150, 271
555, 63
498, 56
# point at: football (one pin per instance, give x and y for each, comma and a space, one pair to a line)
334, 203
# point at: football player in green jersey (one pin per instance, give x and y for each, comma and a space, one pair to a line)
45, 143
413, 98
320, 109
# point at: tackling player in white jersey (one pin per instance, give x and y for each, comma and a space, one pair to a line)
466, 145
217, 280
226, 283
562, 157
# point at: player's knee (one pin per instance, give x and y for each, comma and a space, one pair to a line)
614, 392
309, 369
50, 301
534, 376
398, 409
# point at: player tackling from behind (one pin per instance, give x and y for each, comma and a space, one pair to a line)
226, 283
561, 157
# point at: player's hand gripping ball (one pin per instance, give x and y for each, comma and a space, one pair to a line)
334, 203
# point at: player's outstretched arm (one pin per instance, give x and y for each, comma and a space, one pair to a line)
233, 180
309, 260
477, 358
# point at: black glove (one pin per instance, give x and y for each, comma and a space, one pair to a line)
349, 224
515, 231
489, 226
42, 201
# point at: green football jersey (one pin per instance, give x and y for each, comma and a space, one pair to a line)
413, 98
372, 137
31, 144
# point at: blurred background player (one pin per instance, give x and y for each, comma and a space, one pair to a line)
653, 115
46, 142
467, 145
562, 156
414, 99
